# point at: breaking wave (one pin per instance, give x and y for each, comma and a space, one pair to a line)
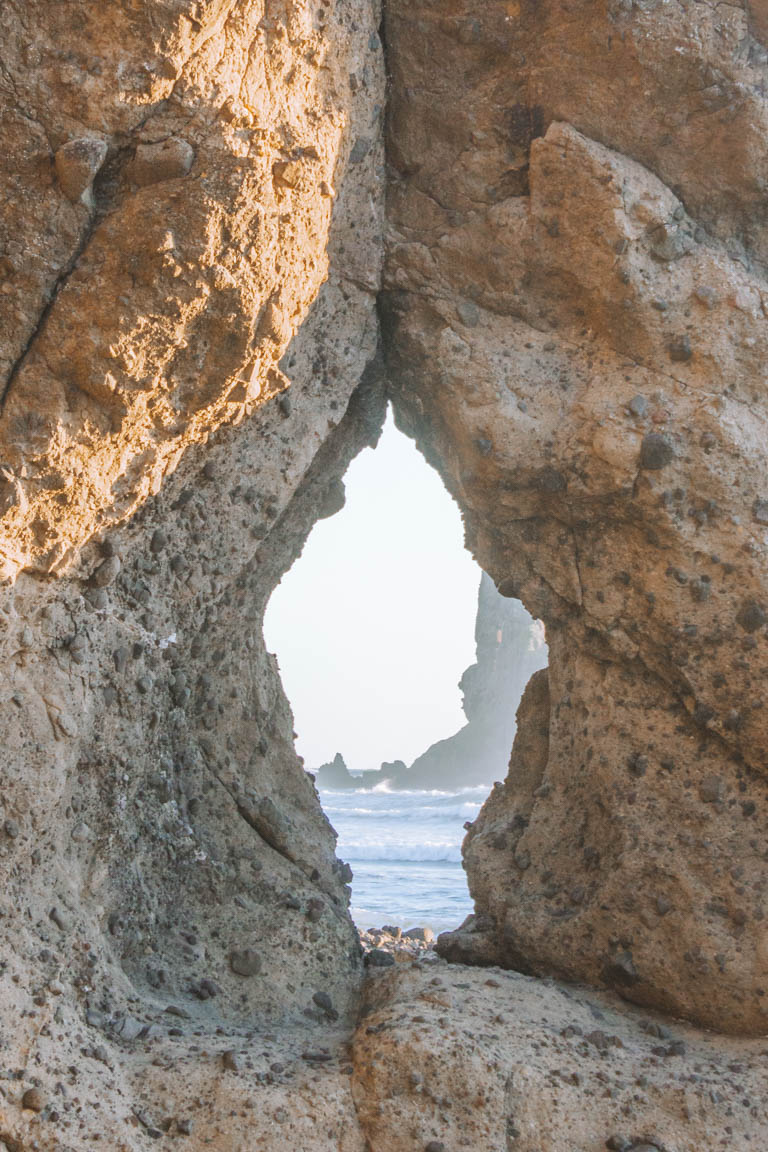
388, 850
465, 811
404, 847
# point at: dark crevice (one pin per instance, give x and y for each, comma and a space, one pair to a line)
58, 284
106, 192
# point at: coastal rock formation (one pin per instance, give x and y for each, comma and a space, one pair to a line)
510, 648
575, 334
459, 1058
190, 243
194, 342
335, 774
167, 226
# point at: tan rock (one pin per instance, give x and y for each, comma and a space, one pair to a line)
573, 327
167, 160
573, 335
528, 1065
77, 163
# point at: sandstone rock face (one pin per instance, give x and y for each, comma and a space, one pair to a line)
575, 331
168, 221
573, 318
497, 1061
190, 260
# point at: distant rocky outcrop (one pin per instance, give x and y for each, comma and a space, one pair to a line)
335, 774
510, 648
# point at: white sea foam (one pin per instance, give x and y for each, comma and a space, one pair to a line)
383, 789
404, 846
389, 850
412, 812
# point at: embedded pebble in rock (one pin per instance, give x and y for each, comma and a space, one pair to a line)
167, 160
712, 790
680, 349
656, 452
158, 542
760, 511
107, 572
315, 906
751, 616
60, 918
323, 1000
34, 1100
129, 1028
245, 961
77, 163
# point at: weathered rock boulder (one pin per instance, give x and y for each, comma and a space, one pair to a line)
575, 332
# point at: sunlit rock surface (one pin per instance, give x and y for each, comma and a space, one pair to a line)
572, 325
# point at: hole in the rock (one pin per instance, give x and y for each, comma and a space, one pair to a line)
404, 667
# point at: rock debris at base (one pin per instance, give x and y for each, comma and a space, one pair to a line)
382, 946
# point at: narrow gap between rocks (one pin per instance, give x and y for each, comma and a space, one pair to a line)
404, 667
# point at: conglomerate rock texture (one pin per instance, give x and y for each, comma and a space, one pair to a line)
183, 330
202, 310
576, 336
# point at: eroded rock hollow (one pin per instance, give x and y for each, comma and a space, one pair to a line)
225, 239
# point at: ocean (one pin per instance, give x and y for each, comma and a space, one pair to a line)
405, 852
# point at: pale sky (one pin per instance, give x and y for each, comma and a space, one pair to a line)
374, 624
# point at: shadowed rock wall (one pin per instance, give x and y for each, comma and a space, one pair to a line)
190, 242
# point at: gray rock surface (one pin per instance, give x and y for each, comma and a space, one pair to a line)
194, 336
